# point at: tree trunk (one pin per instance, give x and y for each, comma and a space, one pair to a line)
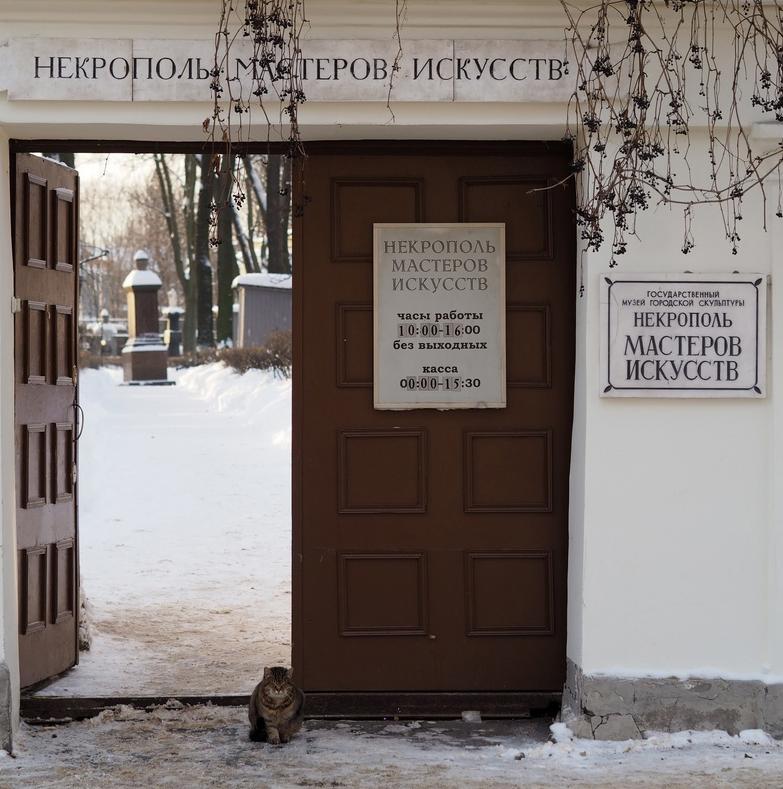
181, 264
275, 209
285, 211
68, 159
277, 262
226, 258
249, 261
202, 269
189, 205
251, 241
189, 220
189, 321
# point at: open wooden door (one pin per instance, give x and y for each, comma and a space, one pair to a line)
46, 284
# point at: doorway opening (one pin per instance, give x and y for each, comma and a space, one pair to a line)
183, 546
430, 547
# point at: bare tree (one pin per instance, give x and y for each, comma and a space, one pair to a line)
272, 195
650, 78
121, 222
249, 258
178, 216
227, 267
202, 265
177, 204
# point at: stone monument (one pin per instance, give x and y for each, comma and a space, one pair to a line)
145, 356
172, 336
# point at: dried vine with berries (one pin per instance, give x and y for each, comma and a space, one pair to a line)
258, 58
257, 65
400, 13
651, 74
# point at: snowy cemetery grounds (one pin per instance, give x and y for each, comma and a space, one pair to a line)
184, 531
207, 746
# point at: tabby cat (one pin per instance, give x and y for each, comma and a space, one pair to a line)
275, 707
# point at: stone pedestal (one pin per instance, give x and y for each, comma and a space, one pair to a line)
145, 364
145, 356
172, 337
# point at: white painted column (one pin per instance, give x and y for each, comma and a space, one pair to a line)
9, 644
766, 137
577, 499
773, 658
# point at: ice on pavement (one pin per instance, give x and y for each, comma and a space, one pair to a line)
208, 746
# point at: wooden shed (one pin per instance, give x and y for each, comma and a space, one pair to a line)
264, 302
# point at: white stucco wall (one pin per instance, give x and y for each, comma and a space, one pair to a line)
8, 581
677, 520
773, 652
676, 524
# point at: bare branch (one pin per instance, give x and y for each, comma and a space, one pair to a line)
648, 76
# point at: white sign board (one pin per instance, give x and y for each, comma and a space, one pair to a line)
440, 315
446, 70
683, 335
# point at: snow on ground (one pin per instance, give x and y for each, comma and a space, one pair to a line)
208, 746
185, 532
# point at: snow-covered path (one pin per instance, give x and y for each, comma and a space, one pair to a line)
185, 533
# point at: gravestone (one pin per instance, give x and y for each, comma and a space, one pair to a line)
144, 357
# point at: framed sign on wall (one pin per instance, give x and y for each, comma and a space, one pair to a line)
439, 315
683, 335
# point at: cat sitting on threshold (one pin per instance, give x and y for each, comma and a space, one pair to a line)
275, 707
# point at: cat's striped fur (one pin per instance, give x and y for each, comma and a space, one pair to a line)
276, 707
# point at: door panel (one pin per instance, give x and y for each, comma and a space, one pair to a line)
432, 545
45, 282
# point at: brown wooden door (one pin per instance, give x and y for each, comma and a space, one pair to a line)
45, 281
431, 547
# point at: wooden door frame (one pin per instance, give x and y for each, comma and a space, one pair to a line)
56, 708
334, 704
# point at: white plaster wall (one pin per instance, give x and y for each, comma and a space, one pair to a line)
579, 495
339, 19
676, 522
8, 582
773, 655
676, 547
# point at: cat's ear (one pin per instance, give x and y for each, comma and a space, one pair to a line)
289, 673
267, 672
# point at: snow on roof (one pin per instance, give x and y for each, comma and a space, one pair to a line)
263, 280
104, 329
138, 278
147, 346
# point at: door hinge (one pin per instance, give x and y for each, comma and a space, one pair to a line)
16, 305
73, 474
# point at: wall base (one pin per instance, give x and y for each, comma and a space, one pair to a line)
6, 696
616, 708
